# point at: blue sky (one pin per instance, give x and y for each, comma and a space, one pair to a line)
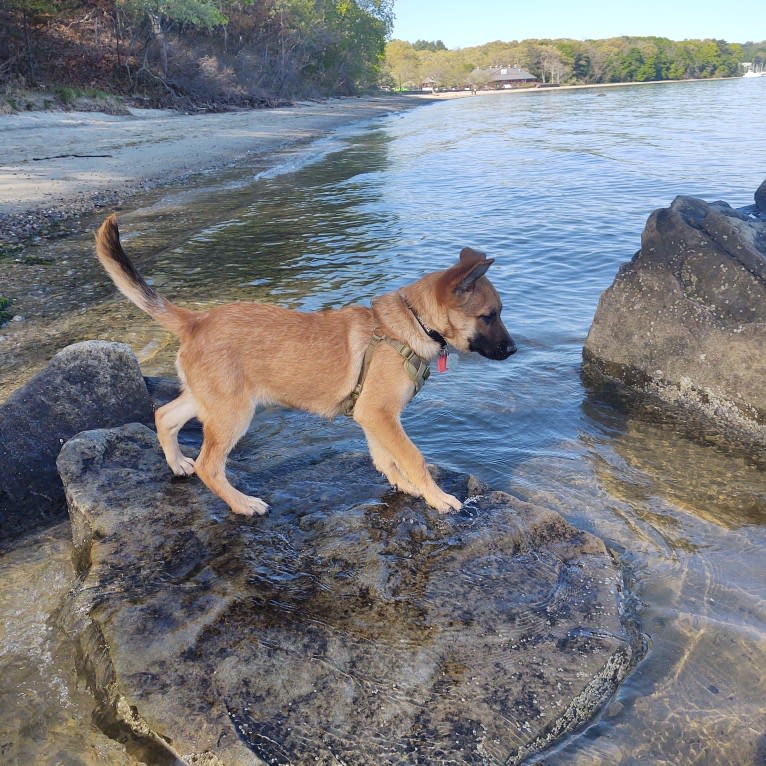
463, 23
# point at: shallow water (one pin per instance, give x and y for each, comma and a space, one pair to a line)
557, 187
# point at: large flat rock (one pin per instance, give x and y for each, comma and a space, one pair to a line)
352, 625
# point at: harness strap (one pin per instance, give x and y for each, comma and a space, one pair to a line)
416, 367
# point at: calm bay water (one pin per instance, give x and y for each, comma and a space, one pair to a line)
556, 186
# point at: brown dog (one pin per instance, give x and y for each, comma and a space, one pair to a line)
368, 362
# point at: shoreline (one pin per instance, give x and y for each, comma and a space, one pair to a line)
57, 166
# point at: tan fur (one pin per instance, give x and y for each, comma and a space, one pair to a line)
237, 356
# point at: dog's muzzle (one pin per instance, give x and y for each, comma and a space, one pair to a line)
493, 349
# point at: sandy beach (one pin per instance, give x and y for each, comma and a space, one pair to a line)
57, 164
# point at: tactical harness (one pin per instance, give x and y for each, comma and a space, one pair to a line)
416, 367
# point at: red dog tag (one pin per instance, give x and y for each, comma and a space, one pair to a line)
441, 363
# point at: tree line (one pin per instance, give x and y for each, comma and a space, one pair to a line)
204, 52
568, 62
215, 53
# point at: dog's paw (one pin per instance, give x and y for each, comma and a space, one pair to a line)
182, 466
249, 506
445, 503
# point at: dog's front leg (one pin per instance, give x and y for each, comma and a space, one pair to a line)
385, 463
399, 459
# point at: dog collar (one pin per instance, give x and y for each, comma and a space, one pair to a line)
434, 335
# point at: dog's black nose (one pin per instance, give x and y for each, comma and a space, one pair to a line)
506, 348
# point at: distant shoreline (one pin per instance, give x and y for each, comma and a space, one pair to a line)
446, 95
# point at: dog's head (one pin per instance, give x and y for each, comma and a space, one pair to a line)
471, 308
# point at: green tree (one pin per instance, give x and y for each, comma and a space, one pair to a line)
155, 17
428, 45
353, 35
205, 14
581, 67
631, 64
402, 62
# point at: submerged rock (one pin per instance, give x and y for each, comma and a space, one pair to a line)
351, 625
685, 319
93, 384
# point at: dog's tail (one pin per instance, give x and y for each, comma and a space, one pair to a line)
131, 284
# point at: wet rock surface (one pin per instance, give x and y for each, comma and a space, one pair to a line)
351, 625
685, 319
92, 384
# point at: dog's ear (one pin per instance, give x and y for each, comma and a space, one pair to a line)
473, 265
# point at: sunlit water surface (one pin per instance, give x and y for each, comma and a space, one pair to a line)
557, 187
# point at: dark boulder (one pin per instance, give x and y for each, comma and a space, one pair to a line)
760, 198
350, 625
685, 319
93, 384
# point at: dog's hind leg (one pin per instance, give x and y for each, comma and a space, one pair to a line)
221, 432
169, 419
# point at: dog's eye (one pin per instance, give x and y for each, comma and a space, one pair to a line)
489, 318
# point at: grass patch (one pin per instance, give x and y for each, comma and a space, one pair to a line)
5, 315
18, 98
35, 260
68, 96
8, 249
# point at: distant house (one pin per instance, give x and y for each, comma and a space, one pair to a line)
502, 77
428, 84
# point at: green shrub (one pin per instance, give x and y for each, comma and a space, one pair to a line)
67, 95
5, 315
8, 249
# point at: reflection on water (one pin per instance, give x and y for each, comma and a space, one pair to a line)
689, 522
557, 187
44, 706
